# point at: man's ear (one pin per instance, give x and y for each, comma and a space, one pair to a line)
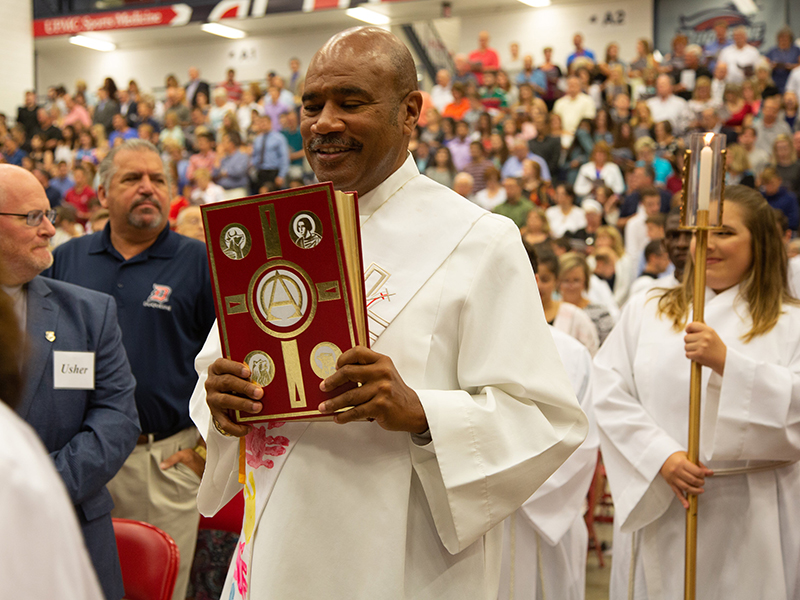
101, 195
413, 104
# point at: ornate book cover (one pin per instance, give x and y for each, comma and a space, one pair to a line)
286, 270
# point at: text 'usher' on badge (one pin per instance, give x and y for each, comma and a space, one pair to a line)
73, 370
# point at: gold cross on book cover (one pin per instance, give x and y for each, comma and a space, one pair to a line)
287, 274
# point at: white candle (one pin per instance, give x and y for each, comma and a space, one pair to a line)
704, 187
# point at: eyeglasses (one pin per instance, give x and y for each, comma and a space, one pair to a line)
34, 218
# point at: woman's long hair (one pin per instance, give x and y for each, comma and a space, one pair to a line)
765, 287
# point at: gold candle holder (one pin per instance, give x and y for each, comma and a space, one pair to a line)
701, 212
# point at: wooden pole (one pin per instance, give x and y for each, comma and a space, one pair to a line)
695, 389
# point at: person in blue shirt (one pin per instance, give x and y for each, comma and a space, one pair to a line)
270, 157
579, 50
122, 131
534, 77
231, 165
783, 58
779, 197
712, 49
12, 153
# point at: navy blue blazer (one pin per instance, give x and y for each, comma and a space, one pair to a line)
89, 433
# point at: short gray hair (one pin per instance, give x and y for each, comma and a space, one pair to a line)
108, 169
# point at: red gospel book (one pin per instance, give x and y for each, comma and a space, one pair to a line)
287, 271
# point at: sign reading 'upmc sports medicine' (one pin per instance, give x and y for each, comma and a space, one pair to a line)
181, 14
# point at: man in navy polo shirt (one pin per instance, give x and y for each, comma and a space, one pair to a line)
162, 288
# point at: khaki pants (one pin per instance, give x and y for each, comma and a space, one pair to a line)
166, 499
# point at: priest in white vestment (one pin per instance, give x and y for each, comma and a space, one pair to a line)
472, 407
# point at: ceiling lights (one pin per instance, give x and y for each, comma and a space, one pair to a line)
536, 3
92, 43
368, 16
223, 30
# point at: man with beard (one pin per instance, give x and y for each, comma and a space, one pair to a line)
162, 288
463, 410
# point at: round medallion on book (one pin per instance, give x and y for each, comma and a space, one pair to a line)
283, 299
262, 368
323, 359
234, 241
305, 230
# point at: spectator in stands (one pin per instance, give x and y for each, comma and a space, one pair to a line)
636, 231
756, 156
195, 85
612, 60
580, 51
786, 164
532, 76
493, 194
441, 169
122, 131
221, 107
285, 96
460, 105
779, 197
291, 131
579, 151
599, 171
27, 114
740, 57
296, 79
483, 59
205, 190
793, 83
53, 195
172, 130
48, 130
609, 238
270, 156
718, 83
790, 110
463, 74
666, 106
81, 193
573, 108
701, 99
63, 181
105, 110
442, 93
232, 88
205, 157
477, 166
144, 112
459, 145
536, 230
687, 78
642, 176
565, 217
646, 155
738, 168
128, 107
519, 152
769, 126
244, 113
644, 59
176, 102
493, 98
544, 144
231, 167
715, 46
12, 153
516, 206
462, 185
76, 114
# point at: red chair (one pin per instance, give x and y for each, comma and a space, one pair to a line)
149, 559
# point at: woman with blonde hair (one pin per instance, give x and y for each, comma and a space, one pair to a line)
735, 109
573, 285
701, 99
599, 171
748, 479
738, 167
536, 229
610, 237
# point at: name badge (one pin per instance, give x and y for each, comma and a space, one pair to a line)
73, 370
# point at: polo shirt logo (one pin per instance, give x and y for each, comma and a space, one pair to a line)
158, 297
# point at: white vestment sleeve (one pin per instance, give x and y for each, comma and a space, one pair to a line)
221, 476
753, 411
634, 446
556, 505
515, 418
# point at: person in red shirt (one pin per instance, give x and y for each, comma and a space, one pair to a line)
80, 194
484, 58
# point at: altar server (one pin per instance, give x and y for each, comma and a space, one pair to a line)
748, 481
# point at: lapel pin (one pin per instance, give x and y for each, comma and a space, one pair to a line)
50, 336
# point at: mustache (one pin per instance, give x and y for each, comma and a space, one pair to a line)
142, 199
317, 142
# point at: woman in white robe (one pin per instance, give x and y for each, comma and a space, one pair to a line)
748, 481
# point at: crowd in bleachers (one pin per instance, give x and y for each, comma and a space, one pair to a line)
585, 156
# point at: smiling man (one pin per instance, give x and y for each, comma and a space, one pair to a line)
162, 288
462, 411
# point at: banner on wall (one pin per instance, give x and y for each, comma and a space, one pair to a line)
695, 19
181, 14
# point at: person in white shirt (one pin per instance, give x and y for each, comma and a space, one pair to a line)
573, 108
666, 106
599, 171
740, 57
442, 92
206, 191
636, 237
565, 216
